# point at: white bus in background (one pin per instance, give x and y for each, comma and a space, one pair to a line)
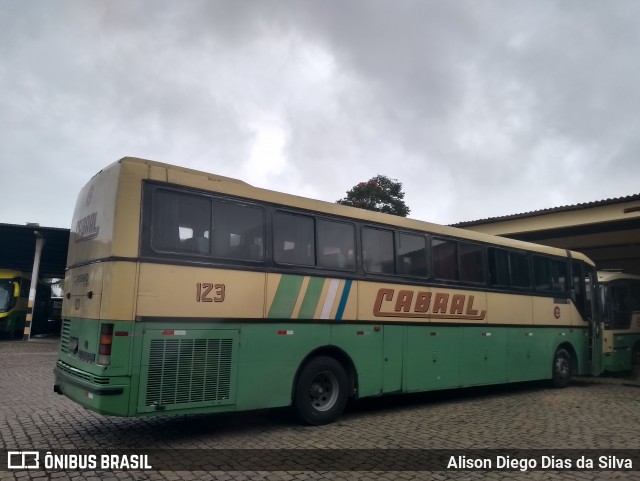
620, 295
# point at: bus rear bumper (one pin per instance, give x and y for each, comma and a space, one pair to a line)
112, 400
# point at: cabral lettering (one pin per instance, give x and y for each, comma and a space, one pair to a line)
425, 305
86, 227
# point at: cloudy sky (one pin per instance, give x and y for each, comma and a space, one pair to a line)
480, 108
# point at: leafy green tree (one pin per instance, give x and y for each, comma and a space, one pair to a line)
57, 287
380, 194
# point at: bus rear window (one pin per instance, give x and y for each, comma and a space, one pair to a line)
199, 225
181, 223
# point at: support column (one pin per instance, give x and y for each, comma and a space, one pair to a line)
34, 285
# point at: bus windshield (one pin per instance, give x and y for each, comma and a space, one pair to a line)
620, 301
6, 295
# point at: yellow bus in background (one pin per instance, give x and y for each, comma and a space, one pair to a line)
14, 300
14, 293
189, 292
620, 297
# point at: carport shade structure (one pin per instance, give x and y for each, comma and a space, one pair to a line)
32, 248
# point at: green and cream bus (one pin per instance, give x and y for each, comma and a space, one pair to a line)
188, 292
620, 297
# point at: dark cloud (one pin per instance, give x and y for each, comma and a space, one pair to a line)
480, 108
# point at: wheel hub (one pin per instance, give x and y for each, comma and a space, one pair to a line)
316, 391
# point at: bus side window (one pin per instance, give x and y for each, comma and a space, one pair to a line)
471, 262
195, 240
580, 278
445, 259
377, 251
238, 231
294, 239
499, 267
509, 268
558, 275
336, 245
520, 273
411, 254
550, 274
620, 306
541, 274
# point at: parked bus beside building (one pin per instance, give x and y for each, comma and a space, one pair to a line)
188, 292
620, 295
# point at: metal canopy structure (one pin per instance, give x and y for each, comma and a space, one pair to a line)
18, 246
607, 231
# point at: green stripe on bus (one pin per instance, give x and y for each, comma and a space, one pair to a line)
311, 298
286, 297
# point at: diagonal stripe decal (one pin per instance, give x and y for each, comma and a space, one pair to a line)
311, 298
306, 297
286, 296
343, 299
331, 297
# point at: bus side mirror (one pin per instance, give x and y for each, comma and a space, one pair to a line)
16, 290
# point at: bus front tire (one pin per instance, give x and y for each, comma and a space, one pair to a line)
321, 391
561, 371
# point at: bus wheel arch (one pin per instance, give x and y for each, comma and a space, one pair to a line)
565, 365
322, 386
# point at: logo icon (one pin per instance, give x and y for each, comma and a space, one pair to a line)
23, 460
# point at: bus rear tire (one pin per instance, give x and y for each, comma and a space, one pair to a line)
321, 391
562, 368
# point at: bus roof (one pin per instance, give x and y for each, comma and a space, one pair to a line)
614, 275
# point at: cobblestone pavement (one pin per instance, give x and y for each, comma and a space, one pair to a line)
593, 414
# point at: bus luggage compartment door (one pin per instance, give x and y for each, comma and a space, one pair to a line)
187, 369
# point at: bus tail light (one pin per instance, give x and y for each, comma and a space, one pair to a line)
106, 341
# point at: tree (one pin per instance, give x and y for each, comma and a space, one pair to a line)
380, 194
57, 287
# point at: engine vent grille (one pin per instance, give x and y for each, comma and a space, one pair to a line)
65, 334
189, 371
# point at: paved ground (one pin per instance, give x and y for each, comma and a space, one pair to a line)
399, 432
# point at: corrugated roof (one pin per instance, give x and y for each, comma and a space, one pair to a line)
552, 210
